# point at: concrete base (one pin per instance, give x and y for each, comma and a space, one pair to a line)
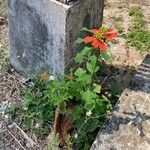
42, 33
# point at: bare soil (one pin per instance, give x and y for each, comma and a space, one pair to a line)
126, 60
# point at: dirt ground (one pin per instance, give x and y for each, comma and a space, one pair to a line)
126, 60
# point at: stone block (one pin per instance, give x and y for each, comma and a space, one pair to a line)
128, 126
42, 33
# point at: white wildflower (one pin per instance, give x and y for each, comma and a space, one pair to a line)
52, 78
25, 108
76, 136
89, 113
37, 125
18, 56
6, 116
12, 70
23, 55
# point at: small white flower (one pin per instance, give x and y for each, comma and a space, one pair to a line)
76, 136
89, 113
26, 108
18, 56
23, 55
51, 77
6, 116
12, 70
37, 125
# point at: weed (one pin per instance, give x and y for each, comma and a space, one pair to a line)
119, 28
138, 35
3, 6
4, 61
36, 109
106, 4
119, 18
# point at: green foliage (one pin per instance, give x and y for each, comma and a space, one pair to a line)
10, 110
36, 109
138, 21
118, 24
119, 27
80, 88
138, 34
119, 18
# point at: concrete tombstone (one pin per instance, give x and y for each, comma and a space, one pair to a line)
42, 33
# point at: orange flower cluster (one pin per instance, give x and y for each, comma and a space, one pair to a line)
99, 38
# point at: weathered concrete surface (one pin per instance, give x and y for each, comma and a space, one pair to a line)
42, 33
128, 126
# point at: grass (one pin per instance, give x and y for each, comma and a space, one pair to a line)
118, 23
119, 18
119, 27
3, 6
138, 35
4, 61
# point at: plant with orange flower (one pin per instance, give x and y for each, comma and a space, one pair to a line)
80, 88
78, 100
99, 38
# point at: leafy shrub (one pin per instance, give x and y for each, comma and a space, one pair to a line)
36, 110
79, 88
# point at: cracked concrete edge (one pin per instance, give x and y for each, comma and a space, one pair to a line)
128, 125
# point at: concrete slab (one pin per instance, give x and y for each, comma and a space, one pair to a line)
128, 126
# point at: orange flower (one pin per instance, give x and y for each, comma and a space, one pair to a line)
99, 38
95, 43
110, 34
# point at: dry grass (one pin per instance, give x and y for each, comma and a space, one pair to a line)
3, 5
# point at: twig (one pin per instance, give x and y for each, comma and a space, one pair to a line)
16, 139
26, 136
104, 80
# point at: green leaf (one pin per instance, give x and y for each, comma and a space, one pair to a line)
76, 113
86, 146
91, 65
79, 58
124, 36
57, 101
89, 97
92, 125
90, 68
96, 69
89, 105
80, 72
63, 107
85, 29
85, 79
106, 56
97, 88
79, 40
87, 51
93, 59
75, 89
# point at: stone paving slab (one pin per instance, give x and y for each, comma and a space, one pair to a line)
128, 126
